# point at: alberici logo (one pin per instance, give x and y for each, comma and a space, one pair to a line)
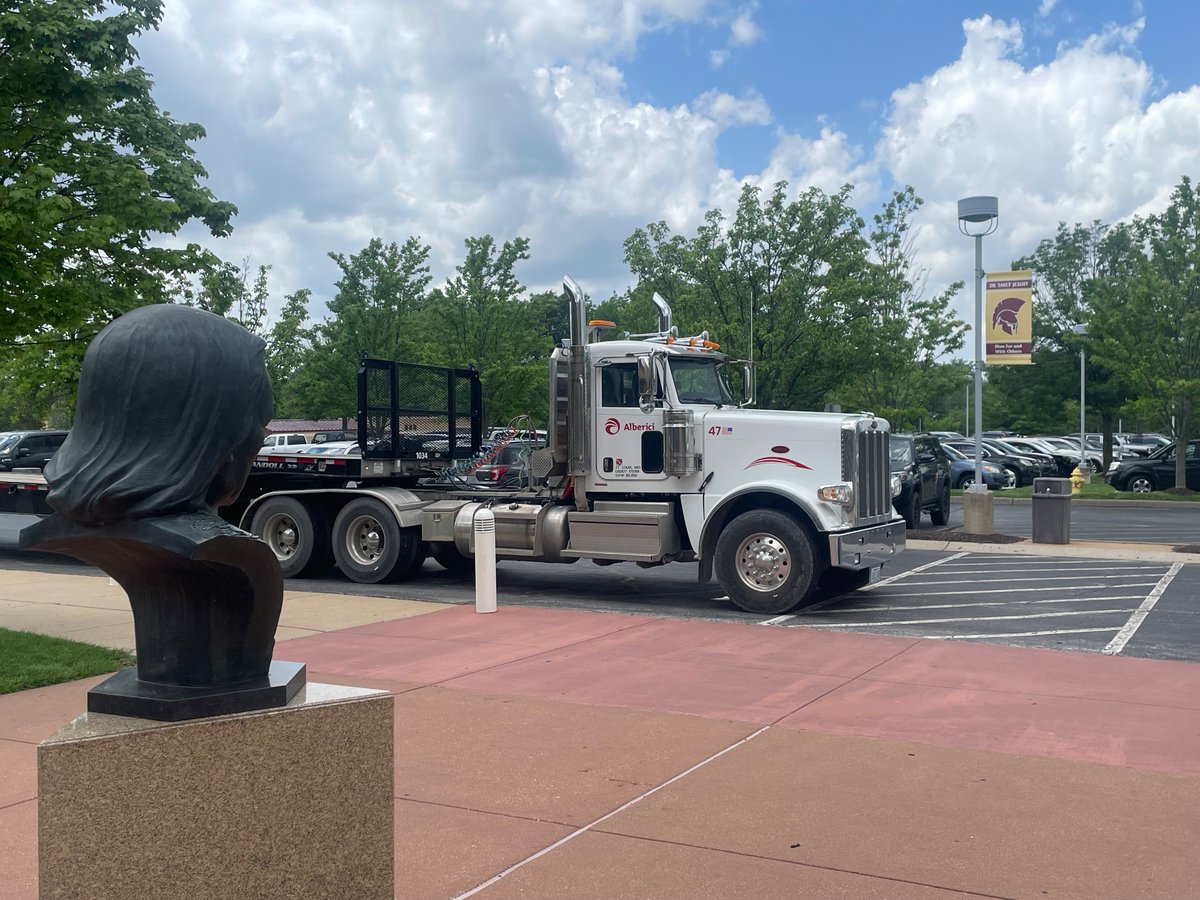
612, 426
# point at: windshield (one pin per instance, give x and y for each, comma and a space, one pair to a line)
8, 441
953, 452
902, 451
699, 381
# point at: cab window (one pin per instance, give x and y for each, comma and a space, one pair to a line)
618, 385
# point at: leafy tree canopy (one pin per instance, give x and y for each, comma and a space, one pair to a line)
91, 170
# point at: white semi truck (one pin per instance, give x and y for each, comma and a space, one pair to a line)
650, 459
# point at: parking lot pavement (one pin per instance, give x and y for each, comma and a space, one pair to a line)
1096, 605
1163, 523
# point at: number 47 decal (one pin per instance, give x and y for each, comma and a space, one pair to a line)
718, 429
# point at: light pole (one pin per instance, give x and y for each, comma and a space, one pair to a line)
1081, 330
977, 216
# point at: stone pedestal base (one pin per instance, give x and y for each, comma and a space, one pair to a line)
288, 802
978, 515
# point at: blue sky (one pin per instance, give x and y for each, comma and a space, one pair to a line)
575, 121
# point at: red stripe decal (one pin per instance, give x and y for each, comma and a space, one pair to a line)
782, 460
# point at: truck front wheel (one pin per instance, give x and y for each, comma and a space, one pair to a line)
369, 544
298, 534
767, 561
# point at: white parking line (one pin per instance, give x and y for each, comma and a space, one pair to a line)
779, 620
1042, 578
1053, 615
1011, 634
972, 604
1023, 590
1117, 644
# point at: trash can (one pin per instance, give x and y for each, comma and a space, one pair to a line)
1052, 510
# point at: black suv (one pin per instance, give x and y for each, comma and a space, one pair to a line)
923, 468
29, 449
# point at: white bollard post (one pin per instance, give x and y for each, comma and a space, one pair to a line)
485, 561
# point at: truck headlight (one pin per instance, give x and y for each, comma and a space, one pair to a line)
842, 492
897, 485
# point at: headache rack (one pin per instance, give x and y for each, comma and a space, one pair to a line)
415, 419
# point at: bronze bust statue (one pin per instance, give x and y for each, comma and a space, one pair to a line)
172, 406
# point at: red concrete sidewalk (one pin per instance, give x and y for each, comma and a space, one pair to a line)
596, 755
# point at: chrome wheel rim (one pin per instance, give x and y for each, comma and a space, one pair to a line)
282, 535
364, 540
763, 562
1140, 485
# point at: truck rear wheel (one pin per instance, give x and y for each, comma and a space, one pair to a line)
369, 544
767, 561
298, 534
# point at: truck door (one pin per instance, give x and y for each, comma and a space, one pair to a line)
628, 442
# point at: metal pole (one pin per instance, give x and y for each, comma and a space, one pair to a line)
484, 527
979, 363
967, 410
1082, 432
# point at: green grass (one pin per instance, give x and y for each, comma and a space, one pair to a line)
30, 660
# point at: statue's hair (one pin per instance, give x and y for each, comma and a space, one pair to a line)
167, 395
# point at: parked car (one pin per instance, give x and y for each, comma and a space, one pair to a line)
948, 435
329, 448
282, 443
325, 437
1092, 458
923, 469
1144, 444
29, 449
962, 471
1155, 472
1023, 469
509, 468
1065, 461
1045, 466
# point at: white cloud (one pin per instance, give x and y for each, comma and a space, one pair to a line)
744, 31
1072, 140
330, 124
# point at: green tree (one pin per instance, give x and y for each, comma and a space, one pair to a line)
1147, 315
377, 310
780, 284
904, 334
1068, 269
483, 318
92, 172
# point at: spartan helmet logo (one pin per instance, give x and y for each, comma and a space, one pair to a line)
1004, 316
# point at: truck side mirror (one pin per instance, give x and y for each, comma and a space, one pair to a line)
748, 385
647, 383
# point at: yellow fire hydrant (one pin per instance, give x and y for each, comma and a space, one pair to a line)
1076, 482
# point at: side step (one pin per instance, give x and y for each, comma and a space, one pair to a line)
637, 532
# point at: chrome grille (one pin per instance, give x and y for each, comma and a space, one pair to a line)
872, 480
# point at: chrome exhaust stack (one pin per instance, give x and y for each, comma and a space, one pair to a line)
579, 451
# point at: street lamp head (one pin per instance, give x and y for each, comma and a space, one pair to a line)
981, 212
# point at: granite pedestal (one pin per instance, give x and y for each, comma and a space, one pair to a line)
295, 801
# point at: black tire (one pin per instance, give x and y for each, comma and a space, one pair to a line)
297, 533
941, 513
912, 513
1140, 483
369, 544
448, 557
767, 562
1017, 482
965, 480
